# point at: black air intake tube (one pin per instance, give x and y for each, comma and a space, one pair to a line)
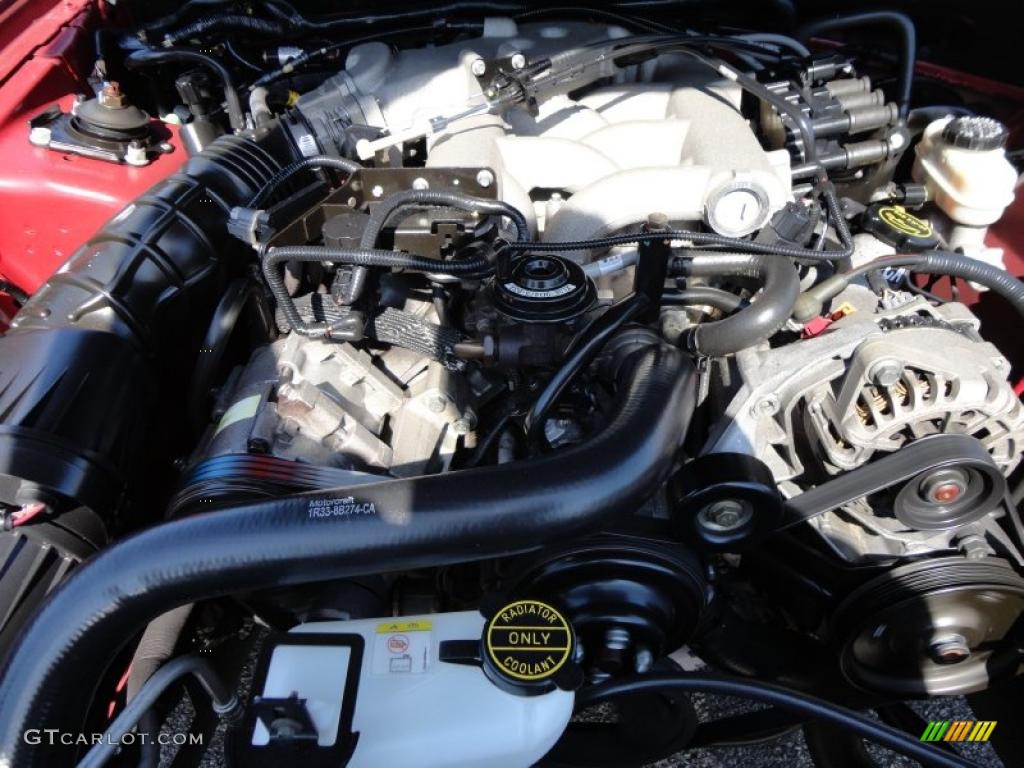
124, 315
49, 679
94, 366
156, 270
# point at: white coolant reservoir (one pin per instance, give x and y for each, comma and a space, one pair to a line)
447, 689
962, 161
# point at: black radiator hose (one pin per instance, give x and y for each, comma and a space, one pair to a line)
755, 323
49, 679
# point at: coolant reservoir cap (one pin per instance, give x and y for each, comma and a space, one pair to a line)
975, 132
895, 225
528, 648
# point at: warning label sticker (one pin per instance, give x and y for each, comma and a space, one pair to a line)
402, 648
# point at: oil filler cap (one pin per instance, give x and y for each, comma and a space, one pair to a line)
895, 225
544, 288
529, 649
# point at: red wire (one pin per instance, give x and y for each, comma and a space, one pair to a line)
26, 513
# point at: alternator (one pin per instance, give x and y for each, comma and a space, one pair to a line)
910, 382
872, 383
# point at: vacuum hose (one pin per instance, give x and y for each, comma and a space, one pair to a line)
49, 679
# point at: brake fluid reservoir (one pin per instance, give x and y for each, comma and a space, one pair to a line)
447, 689
962, 161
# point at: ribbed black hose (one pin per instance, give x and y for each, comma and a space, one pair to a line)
366, 257
357, 257
957, 265
180, 13
146, 58
432, 12
783, 698
900, 22
581, 352
306, 163
225, 23
768, 313
50, 677
713, 239
998, 280
426, 31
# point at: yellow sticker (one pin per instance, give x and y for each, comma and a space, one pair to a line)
528, 640
419, 625
897, 217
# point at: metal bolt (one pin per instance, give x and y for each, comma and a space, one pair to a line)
518, 61
766, 406
951, 649
725, 515
111, 97
947, 492
643, 661
465, 423
478, 67
944, 486
420, 184
973, 547
616, 639
484, 178
377, 191
614, 650
437, 403
886, 372
136, 154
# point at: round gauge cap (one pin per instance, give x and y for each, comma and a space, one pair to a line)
895, 225
737, 209
975, 132
528, 648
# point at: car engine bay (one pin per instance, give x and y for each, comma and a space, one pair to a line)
466, 364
